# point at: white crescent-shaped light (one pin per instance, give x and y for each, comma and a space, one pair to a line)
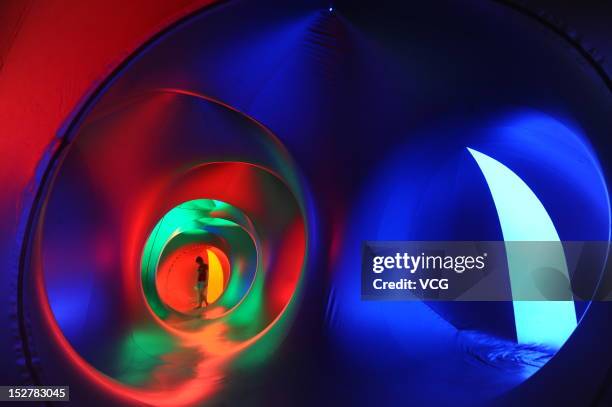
523, 218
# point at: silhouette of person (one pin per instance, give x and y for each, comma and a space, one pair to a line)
202, 284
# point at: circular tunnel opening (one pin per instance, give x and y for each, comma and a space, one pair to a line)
188, 258
178, 281
215, 180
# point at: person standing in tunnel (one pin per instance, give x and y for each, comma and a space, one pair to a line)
202, 284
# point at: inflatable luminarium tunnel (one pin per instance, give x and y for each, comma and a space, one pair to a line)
272, 140
131, 206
